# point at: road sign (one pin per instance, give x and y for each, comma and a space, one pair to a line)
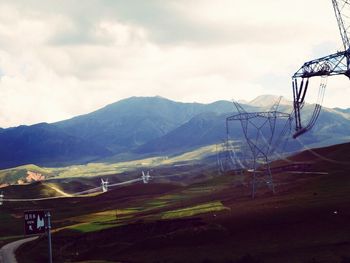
34, 222
38, 222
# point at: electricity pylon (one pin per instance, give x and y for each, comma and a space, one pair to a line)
264, 132
331, 65
104, 185
145, 177
1, 198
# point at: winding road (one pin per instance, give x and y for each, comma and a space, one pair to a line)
7, 252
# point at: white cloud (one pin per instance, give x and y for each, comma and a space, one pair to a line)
58, 59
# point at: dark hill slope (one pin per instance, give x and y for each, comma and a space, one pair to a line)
44, 144
203, 129
335, 155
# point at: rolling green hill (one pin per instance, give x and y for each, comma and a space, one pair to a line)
107, 168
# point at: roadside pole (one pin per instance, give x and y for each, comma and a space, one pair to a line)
48, 229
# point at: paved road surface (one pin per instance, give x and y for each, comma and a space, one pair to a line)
7, 252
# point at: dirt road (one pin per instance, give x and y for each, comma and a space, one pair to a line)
7, 252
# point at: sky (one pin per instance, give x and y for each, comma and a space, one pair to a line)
62, 58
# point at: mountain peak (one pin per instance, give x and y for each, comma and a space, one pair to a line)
268, 101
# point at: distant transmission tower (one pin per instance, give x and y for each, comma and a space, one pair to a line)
335, 64
230, 157
145, 177
219, 158
104, 185
264, 133
1, 198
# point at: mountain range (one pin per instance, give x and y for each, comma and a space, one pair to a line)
147, 126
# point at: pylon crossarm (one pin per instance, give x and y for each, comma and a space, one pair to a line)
335, 64
252, 115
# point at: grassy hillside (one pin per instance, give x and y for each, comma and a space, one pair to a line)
10, 176
210, 221
110, 166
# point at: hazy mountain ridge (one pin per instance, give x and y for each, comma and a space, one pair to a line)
145, 125
129, 123
332, 127
44, 144
343, 110
266, 101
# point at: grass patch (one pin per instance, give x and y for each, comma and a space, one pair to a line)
172, 197
102, 220
157, 203
91, 227
194, 210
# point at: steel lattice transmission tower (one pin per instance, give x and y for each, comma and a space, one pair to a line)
145, 177
1, 197
335, 64
230, 156
264, 133
104, 185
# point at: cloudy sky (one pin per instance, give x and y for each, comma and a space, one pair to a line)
61, 58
